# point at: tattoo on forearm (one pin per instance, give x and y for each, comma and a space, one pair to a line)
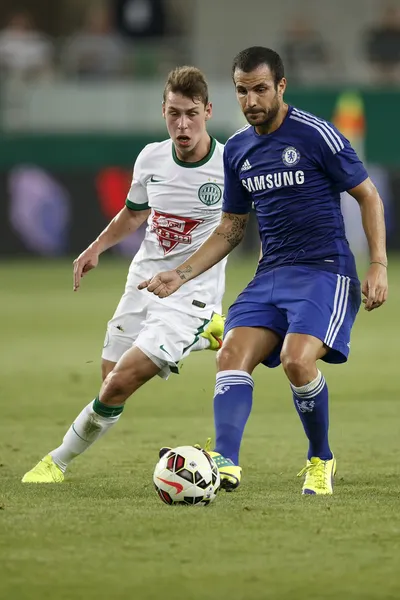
184, 272
237, 228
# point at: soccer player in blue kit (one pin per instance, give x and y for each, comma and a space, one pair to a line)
302, 302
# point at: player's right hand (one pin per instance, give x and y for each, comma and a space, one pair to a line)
375, 286
88, 260
163, 284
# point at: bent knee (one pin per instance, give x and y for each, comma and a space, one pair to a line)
230, 357
296, 364
118, 383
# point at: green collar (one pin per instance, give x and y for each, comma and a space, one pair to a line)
199, 163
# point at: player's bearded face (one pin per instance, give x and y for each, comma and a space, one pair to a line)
258, 95
261, 114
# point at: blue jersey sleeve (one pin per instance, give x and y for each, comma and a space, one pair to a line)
339, 161
237, 199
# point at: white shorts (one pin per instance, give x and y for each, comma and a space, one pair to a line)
165, 335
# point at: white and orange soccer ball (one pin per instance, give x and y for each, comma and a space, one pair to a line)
186, 475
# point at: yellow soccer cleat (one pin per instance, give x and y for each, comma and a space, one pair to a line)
319, 476
215, 331
46, 471
230, 473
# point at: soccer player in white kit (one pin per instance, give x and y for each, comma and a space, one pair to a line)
178, 187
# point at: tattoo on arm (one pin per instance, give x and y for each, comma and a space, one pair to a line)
183, 272
237, 227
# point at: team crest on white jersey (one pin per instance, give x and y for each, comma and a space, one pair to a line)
290, 156
210, 193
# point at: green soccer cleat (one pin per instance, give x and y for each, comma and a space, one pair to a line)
46, 471
215, 331
319, 476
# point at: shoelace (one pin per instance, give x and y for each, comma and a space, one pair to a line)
206, 447
220, 461
317, 471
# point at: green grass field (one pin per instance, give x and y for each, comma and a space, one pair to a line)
104, 534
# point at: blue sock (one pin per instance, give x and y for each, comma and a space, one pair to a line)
311, 402
232, 406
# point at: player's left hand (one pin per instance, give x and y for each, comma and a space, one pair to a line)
163, 284
375, 286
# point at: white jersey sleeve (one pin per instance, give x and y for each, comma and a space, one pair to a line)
137, 198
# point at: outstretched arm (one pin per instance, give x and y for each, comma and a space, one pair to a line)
123, 224
375, 284
221, 242
127, 221
134, 213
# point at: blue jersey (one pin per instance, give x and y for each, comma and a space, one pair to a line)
294, 177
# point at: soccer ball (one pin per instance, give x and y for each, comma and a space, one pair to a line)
186, 475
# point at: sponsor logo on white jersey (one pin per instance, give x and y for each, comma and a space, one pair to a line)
172, 230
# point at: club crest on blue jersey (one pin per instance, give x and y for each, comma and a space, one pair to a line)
290, 156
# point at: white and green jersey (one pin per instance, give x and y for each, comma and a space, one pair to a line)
185, 201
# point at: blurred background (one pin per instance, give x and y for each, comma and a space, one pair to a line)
81, 85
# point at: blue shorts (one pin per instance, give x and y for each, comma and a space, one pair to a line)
300, 300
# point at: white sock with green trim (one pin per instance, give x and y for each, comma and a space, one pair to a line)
93, 422
201, 344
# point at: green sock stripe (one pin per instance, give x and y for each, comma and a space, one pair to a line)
106, 411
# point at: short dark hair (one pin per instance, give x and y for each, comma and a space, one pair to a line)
188, 81
249, 59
